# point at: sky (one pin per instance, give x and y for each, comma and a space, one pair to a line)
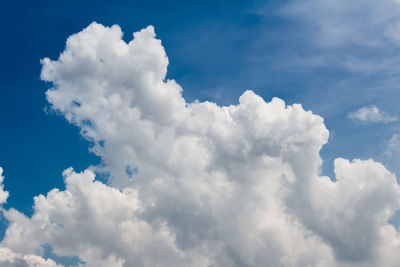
273, 124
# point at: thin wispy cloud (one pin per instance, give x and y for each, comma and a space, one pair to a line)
371, 114
340, 23
360, 36
393, 145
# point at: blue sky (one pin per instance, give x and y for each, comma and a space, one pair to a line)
32, 138
216, 50
334, 58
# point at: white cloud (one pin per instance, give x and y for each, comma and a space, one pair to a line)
10, 259
393, 145
197, 184
343, 23
391, 153
371, 114
3, 194
360, 35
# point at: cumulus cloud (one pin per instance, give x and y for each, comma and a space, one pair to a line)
371, 114
10, 259
197, 184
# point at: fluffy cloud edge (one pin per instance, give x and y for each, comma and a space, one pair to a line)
9, 258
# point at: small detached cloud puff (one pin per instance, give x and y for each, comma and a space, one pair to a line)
371, 114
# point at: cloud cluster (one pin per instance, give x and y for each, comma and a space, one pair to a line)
197, 184
371, 114
10, 259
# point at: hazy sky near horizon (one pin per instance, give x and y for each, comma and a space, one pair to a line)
201, 87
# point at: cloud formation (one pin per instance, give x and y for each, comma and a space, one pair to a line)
361, 35
10, 259
341, 23
393, 144
197, 184
3, 194
371, 114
